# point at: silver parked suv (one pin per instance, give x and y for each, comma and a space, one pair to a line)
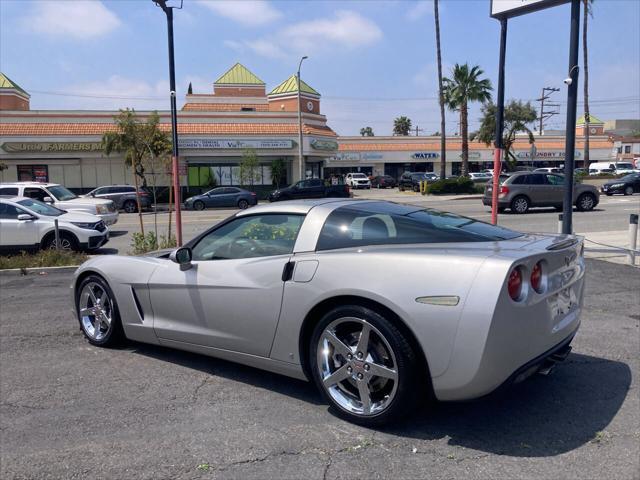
123, 196
524, 190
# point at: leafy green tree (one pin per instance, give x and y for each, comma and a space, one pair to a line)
249, 167
278, 171
366, 132
517, 115
465, 86
402, 126
3, 166
140, 142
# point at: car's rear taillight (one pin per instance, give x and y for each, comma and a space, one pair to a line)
143, 194
536, 277
514, 283
253, 194
503, 190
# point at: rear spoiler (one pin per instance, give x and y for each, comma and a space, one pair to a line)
569, 242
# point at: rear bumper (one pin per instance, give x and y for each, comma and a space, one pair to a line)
502, 203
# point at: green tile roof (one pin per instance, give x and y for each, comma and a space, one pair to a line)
6, 82
238, 75
290, 85
592, 120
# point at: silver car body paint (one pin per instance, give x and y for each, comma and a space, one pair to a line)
241, 310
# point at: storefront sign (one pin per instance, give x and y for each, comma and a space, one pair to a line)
347, 157
473, 155
324, 144
213, 144
372, 156
423, 155
51, 147
540, 155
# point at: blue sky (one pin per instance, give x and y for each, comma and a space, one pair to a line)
370, 60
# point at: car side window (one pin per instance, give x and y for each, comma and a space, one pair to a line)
37, 193
9, 191
249, 237
9, 212
555, 180
100, 191
229, 190
521, 180
537, 179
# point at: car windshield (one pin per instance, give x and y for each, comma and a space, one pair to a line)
379, 223
631, 177
41, 207
61, 193
359, 175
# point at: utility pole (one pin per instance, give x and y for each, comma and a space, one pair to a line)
418, 129
547, 114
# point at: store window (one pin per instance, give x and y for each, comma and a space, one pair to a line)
219, 175
33, 173
627, 149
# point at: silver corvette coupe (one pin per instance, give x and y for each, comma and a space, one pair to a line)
382, 305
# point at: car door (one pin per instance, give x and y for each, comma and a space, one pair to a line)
37, 193
14, 232
230, 299
538, 189
230, 196
556, 188
215, 197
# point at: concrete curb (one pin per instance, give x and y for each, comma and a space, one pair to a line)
37, 270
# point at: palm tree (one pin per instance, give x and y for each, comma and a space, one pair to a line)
401, 126
465, 86
443, 150
366, 132
588, 11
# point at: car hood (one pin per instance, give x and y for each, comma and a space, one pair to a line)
85, 201
78, 217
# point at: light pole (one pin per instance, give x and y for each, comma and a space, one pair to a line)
300, 162
174, 120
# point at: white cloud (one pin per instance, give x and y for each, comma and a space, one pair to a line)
346, 30
79, 19
419, 9
245, 12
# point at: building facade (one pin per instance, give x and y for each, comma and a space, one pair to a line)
215, 130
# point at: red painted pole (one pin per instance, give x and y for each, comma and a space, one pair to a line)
497, 167
176, 189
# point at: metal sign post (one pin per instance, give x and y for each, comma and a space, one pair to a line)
572, 99
498, 144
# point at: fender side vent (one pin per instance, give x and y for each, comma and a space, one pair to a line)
138, 306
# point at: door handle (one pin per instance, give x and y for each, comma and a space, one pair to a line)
287, 271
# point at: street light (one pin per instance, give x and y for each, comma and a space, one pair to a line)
168, 10
300, 121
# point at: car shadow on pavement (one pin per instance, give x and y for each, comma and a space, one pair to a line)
542, 416
281, 384
118, 233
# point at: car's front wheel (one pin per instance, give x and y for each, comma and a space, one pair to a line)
67, 242
98, 313
364, 366
586, 202
198, 205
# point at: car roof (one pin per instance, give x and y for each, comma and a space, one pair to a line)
36, 184
12, 198
297, 206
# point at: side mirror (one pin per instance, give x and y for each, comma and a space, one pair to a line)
47, 200
182, 256
25, 217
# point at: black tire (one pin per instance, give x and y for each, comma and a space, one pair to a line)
243, 204
114, 334
586, 202
520, 204
68, 242
628, 190
416, 188
198, 205
609, 194
130, 206
401, 188
410, 388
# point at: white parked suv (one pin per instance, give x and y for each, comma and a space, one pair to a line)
357, 180
27, 224
62, 198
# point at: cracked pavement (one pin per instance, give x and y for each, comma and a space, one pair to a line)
70, 410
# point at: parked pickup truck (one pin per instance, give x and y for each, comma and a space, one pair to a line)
312, 188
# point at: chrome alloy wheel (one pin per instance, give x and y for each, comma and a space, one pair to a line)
357, 366
65, 244
521, 205
96, 311
586, 202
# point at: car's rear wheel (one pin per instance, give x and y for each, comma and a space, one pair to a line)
628, 190
67, 242
364, 366
416, 188
401, 188
98, 312
520, 204
586, 202
130, 206
243, 204
198, 205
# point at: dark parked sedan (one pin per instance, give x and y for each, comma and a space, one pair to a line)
123, 196
222, 197
383, 181
627, 185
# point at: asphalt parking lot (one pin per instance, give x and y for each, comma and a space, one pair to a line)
71, 410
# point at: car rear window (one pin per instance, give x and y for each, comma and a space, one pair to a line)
378, 223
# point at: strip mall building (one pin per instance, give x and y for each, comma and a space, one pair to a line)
216, 128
